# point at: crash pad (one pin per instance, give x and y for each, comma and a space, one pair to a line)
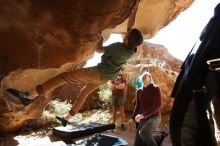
102, 140
80, 130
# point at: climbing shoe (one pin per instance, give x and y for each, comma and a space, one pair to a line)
62, 120
21, 95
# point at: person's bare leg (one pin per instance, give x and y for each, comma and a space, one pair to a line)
122, 113
114, 109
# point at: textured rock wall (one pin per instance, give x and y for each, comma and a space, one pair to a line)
41, 38
46, 34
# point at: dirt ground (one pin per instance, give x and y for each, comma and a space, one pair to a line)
43, 135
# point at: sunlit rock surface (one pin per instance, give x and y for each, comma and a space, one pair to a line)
41, 38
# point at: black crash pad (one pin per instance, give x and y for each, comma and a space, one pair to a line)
102, 140
77, 131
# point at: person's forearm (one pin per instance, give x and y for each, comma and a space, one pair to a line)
135, 112
99, 47
120, 86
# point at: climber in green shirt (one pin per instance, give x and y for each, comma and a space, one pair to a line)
114, 57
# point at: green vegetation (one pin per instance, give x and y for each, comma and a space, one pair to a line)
58, 108
105, 93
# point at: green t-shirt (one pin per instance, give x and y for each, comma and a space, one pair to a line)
114, 57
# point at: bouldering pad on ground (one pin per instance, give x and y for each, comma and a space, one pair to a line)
102, 140
77, 131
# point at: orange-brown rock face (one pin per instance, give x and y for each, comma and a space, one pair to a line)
41, 38
161, 56
45, 34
